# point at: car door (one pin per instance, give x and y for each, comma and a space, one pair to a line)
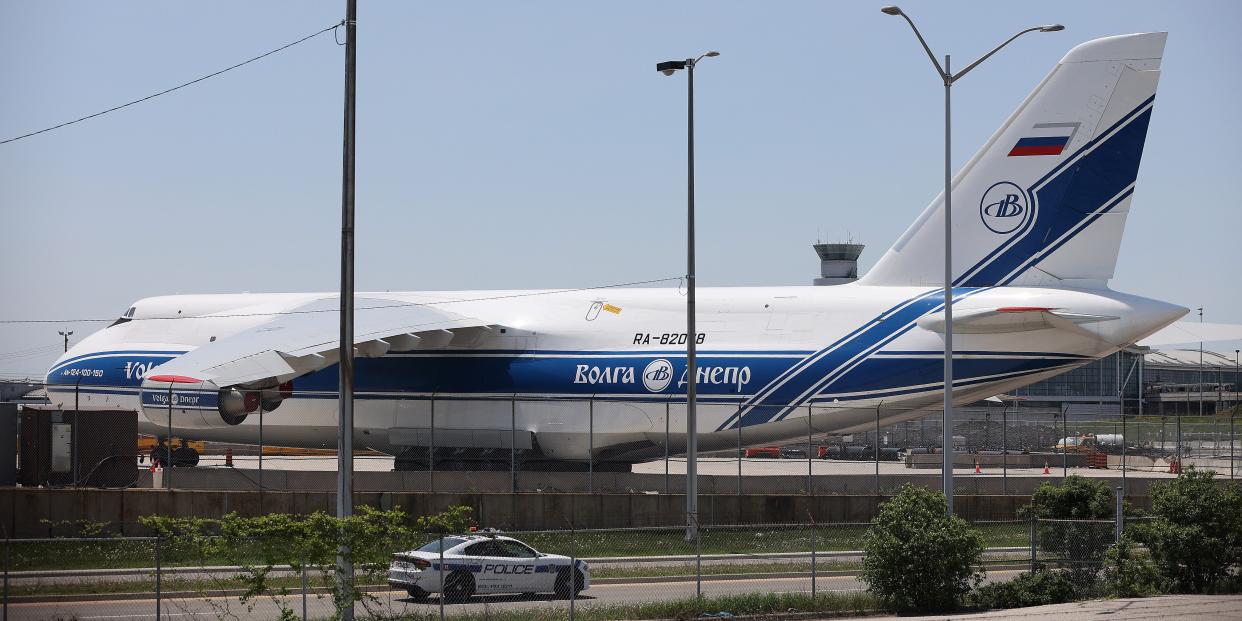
487, 566
525, 566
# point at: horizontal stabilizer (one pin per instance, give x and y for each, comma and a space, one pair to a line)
1011, 319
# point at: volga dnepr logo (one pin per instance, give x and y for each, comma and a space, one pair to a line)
1004, 208
657, 375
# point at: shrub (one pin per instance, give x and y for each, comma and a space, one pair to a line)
1072, 532
1076, 498
916, 557
1037, 588
1196, 537
1128, 574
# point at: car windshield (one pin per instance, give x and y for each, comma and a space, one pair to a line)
434, 546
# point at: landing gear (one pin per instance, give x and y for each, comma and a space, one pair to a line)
184, 456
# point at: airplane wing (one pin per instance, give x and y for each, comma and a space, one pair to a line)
306, 338
1185, 332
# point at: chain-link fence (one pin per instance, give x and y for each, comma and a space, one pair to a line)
614, 573
274, 440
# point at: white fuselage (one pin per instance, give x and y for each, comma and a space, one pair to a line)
602, 373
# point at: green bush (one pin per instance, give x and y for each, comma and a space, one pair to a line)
1076, 498
308, 544
1195, 539
1071, 531
1038, 588
916, 557
1127, 573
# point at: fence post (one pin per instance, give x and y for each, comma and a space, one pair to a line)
813, 585
167, 456
739, 460
666, 426
158, 573
304, 566
441, 598
698, 562
8, 559
1033, 526
431, 460
1005, 449
261, 453
573, 568
1064, 447
877, 447
591, 445
1120, 518
513, 443
810, 478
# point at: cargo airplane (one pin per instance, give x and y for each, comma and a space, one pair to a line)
599, 374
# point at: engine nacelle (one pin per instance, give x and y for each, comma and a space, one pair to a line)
189, 403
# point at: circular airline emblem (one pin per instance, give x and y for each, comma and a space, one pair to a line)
657, 375
1004, 208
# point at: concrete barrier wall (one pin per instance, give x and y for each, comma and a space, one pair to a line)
992, 482
41, 512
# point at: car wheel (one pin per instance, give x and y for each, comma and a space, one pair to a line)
458, 587
417, 594
562, 582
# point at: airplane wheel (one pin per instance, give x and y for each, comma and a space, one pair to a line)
562, 582
160, 454
185, 457
458, 587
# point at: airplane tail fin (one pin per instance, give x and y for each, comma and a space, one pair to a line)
1045, 200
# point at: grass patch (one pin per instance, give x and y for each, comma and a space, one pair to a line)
747, 604
117, 553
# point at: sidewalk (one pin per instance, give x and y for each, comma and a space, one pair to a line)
1198, 607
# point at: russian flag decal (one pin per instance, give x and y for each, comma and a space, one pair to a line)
1046, 139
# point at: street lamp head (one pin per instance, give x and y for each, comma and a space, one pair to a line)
670, 67
891, 10
712, 54
1051, 28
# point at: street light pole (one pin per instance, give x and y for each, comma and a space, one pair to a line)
345, 439
692, 433
66, 334
949, 78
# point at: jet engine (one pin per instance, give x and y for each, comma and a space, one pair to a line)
189, 403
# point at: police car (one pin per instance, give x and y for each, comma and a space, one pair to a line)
485, 563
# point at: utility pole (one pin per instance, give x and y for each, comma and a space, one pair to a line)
1200, 391
66, 334
345, 440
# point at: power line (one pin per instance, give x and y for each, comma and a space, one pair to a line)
180, 86
525, 294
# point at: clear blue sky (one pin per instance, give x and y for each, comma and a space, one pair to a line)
514, 145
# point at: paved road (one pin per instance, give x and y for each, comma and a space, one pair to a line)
395, 602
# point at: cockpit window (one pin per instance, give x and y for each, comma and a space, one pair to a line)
125, 317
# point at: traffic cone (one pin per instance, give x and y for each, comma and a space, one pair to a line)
228, 457
977, 470
1046, 470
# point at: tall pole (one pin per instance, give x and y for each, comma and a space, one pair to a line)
692, 433
1200, 391
948, 293
345, 440
65, 334
949, 78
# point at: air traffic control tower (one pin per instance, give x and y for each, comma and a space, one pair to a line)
838, 263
